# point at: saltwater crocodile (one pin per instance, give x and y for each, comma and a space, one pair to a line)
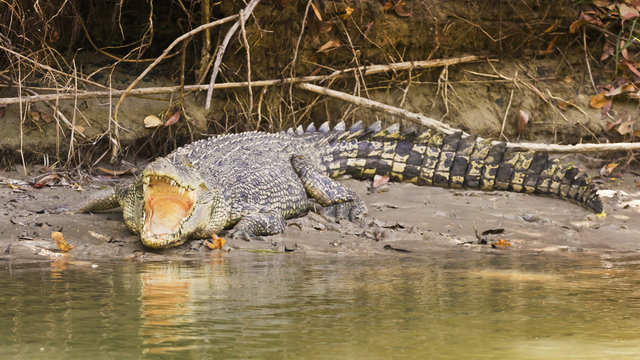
251, 182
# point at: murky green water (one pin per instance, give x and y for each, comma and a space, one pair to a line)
444, 305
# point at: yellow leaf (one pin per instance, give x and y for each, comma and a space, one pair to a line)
62, 244
598, 101
152, 121
217, 243
347, 12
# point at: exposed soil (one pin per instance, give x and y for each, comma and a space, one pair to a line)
537, 66
403, 217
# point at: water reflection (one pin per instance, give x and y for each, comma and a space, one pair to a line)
445, 305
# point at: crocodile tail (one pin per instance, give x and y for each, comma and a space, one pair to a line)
456, 161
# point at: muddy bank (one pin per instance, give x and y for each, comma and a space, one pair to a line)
402, 217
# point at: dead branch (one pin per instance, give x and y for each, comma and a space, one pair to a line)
437, 125
244, 15
367, 70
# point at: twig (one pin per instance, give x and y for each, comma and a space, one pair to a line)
294, 61
367, 70
246, 45
504, 119
48, 68
164, 54
221, 49
437, 125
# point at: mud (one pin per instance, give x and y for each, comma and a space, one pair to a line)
402, 218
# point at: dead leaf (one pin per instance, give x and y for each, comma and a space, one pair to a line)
217, 243
387, 6
347, 12
626, 127
550, 46
608, 169
325, 27
329, 45
598, 101
627, 12
379, 180
316, 11
400, 9
35, 115
152, 121
47, 180
45, 117
500, 243
607, 50
523, 120
60, 241
79, 128
115, 172
613, 124
573, 28
632, 68
173, 119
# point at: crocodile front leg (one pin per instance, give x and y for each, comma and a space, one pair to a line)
339, 201
258, 222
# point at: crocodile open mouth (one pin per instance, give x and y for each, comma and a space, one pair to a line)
166, 205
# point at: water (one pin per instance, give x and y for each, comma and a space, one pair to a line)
442, 305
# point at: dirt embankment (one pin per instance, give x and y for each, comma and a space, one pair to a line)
536, 64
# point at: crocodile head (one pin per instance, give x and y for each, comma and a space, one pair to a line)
177, 204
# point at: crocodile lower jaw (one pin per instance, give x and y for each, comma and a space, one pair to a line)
166, 207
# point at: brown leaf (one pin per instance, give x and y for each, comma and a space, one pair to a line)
115, 172
379, 180
79, 128
627, 12
523, 120
46, 181
35, 115
573, 28
173, 119
613, 124
550, 46
316, 11
562, 105
400, 9
387, 6
598, 101
632, 68
60, 241
45, 117
217, 243
329, 45
608, 49
325, 27
284, 3
626, 127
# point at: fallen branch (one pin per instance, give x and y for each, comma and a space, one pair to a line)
366, 70
437, 125
242, 18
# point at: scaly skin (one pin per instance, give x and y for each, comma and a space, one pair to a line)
251, 182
